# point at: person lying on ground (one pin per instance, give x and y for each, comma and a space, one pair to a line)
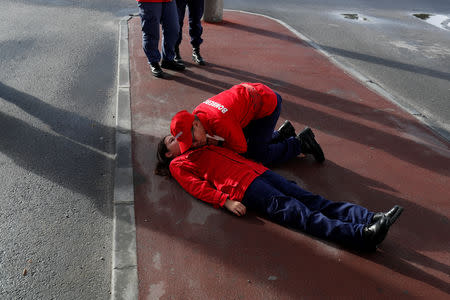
223, 178
243, 119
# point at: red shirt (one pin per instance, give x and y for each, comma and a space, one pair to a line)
228, 112
214, 174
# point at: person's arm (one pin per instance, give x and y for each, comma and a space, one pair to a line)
196, 186
232, 132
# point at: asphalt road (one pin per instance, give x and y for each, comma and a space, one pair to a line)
405, 55
58, 62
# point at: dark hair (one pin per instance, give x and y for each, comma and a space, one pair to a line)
162, 167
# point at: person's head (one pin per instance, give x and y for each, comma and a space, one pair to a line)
187, 130
168, 149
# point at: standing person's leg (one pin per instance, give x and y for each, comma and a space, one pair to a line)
196, 8
344, 211
260, 133
150, 14
271, 203
181, 9
170, 30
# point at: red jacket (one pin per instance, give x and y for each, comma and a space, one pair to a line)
214, 174
228, 112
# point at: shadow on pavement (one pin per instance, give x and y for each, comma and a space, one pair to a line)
73, 156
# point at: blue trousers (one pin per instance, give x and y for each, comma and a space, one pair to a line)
196, 8
287, 204
152, 15
263, 144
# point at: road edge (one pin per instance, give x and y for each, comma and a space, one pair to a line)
124, 275
433, 125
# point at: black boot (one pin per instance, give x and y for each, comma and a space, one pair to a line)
375, 233
156, 69
392, 215
172, 65
177, 57
196, 57
286, 130
309, 144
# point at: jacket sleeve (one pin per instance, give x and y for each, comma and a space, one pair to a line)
196, 186
233, 135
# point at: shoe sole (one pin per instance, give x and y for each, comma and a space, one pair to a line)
201, 63
397, 214
383, 234
158, 75
288, 124
173, 69
389, 222
318, 153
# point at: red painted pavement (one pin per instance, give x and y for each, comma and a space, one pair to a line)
377, 156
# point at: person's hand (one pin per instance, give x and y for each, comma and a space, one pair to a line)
211, 141
236, 207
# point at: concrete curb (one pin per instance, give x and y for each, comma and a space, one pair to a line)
124, 277
369, 83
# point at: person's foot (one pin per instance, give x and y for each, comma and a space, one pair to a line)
309, 145
286, 130
375, 233
177, 57
156, 69
392, 215
172, 65
196, 57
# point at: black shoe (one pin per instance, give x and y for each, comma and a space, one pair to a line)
375, 233
286, 130
177, 57
196, 57
309, 144
156, 69
392, 215
172, 65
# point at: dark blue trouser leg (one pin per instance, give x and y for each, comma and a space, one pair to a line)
196, 8
181, 8
260, 133
344, 211
150, 14
340, 222
170, 29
